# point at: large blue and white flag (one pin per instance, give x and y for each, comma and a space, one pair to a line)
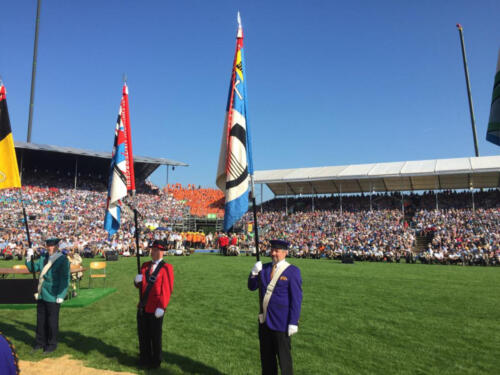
121, 175
235, 158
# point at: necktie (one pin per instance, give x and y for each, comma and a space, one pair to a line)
272, 271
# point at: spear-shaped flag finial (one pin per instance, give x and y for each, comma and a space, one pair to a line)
240, 28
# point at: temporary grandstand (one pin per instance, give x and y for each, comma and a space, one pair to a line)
437, 174
75, 162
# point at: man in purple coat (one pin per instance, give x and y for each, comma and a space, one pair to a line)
281, 296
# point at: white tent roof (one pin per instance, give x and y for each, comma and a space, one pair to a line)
460, 173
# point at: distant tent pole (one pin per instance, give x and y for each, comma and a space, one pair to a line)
371, 192
76, 170
261, 197
340, 185
471, 187
33, 72
473, 203
312, 197
286, 199
466, 70
403, 205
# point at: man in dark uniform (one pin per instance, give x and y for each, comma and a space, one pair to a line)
281, 292
53, 285
156, 282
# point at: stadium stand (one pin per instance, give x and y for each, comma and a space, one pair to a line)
202, 202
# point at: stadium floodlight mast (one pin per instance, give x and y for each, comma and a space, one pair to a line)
33, 72
466, 70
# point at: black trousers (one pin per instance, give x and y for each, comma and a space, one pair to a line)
275, 344
47, 324
149, 329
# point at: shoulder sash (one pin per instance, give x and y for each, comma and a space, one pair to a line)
52, 260
270, 289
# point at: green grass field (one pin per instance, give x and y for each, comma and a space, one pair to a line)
366, 318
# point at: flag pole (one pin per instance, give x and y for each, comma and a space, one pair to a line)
137, 255
466, 70
252, 186
255, 227
26, 225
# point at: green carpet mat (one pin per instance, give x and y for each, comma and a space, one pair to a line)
85, 297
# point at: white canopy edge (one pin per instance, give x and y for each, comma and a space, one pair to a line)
459, 173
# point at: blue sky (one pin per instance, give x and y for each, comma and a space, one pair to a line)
329, 82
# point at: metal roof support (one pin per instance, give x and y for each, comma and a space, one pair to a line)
371, 193
340, 185
436, 193
286, 199
385, 185
359, 185
76, 171
473, 204
471, 184
335, 185
403, 205
291, 188
411, 183
261, 198
312, 197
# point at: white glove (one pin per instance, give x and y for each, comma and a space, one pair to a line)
257, 267
138, 279
59, 300
159, 312
292, 329
29, 253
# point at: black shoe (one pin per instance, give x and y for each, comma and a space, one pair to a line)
47, 351
155, 365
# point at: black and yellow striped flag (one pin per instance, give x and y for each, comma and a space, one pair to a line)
9, 173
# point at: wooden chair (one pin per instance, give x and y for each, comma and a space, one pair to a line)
18, 267
100, 268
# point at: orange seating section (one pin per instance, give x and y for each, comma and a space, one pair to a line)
201, 202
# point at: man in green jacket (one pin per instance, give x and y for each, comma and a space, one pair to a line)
52, 288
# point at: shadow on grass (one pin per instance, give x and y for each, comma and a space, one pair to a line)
86, 344
75, 340
187, 365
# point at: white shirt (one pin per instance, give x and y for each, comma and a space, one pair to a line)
154, 264
279, 264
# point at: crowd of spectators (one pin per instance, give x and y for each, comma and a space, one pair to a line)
55, 209
318, 233
464, 230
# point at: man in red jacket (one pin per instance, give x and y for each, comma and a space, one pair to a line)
156, 282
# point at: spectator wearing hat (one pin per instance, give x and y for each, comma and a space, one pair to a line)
52, 288
281, 298
156, 282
